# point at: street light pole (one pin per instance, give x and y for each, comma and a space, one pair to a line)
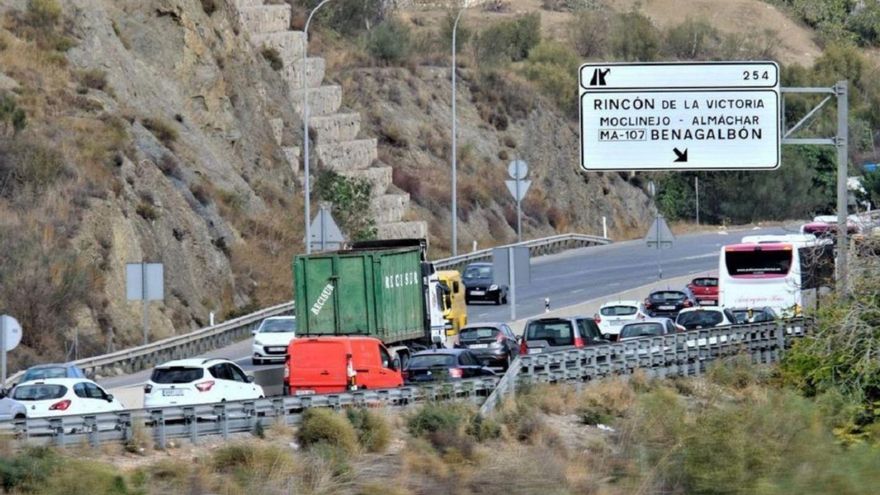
454, 146
305, 118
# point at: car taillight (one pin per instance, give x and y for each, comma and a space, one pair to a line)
205, 386
350, 373
60, 406
148, 388
523, 347
456, 372
287, 362
597, 318
578, 342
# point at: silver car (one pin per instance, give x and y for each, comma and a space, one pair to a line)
11, 409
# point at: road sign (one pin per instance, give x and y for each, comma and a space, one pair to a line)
518, 188
11, 332
659, 234
680, 116
144, 278
518, 169
326, 235
10, 336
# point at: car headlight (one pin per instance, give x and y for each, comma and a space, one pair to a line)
257, 342
493, 287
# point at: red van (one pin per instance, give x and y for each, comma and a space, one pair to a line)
321, 365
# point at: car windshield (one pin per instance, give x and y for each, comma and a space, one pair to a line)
641, 330
177, 374
766, 262
285, 325
39, 392
43, 373
763, 315
555, 332
618, 310
667, 296
706, 282
700, 319
478, 272
478, 333
742, 315
433, 361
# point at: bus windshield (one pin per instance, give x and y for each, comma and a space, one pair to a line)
761, 263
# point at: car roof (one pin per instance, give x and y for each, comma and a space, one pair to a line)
55, 381
702, 308
440, 351
52, 365
486, 324
623, 302
190, 363
480, 263
662, 321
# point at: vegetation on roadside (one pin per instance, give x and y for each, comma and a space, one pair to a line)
350, 199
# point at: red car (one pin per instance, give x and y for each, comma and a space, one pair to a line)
322, 365
705, 290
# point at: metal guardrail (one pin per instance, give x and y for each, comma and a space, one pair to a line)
537, 247
177, 347
210, 338
681, 354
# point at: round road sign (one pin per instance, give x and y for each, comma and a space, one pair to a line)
13, 332
518, 169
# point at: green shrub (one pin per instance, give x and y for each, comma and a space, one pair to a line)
348, 17
325, 426
436, 417
273, 57
93, 79
692, 40
462, 33
589, 33
43, 14
373, 431
483, 429
351, 199
163, 130
27, 163
147, 211
27, 471
13, 119
508, 40
554, 67
635, 37
389, 42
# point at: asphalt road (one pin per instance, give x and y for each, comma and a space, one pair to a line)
567, 278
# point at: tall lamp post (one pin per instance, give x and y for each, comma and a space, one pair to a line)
454, 145
305, 119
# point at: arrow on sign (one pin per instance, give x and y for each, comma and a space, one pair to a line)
680, 156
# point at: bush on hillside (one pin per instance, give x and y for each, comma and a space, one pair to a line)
43, 14
373, 431
554, 68
692, 40
508, 40
389, 42
589, 33
350, 198
635, 38
325, 426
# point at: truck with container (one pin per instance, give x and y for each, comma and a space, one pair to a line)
381, 289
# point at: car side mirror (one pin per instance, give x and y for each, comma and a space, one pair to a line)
254, 331
109, 397
250, 378
395, 364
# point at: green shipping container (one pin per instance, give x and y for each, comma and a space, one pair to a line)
375, 292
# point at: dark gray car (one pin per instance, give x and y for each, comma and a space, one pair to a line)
557, 334
494, 344
479, 285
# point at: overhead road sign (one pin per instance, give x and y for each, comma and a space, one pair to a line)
680, 116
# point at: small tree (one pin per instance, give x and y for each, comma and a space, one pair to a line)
390, 42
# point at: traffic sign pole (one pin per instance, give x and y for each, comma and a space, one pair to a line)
3, 348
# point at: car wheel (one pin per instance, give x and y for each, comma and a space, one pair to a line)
498, 299
506, 364
504, 299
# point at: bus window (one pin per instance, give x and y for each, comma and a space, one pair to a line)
765, 262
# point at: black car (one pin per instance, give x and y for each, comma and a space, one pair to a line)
557, 334
480, 285
494, 344
669, 302
443, 365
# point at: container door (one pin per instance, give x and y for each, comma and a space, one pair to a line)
317, 367
319, 302
403, 302
354, 290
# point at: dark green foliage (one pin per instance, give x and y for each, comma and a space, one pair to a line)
373, 431
508, 40
553, 67
436, 417
351, 203
43, 14
635, 37
39, 470
840, 20
462, 33
589, 33
389, 42
325, 426
349, 17
12, 117
692, 40
27, 471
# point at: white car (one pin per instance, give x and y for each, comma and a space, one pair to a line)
11, 409
704, 317
199, 381
272, 338
613, 315
54, 397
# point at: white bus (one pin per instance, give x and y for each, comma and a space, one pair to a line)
774, 271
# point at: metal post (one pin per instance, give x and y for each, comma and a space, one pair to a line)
2, 351
518, 212
605, 227
659, 266
323, 229
512, 284
454, 146
145, 303
305, 117
842, 169
697, 191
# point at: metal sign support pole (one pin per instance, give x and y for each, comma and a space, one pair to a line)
842, 169
145, 303
3, 353
323, 230
659, 265
518, 212
512, 283
697, 191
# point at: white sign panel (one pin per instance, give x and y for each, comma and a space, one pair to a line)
681, 116
136, 285
12, 332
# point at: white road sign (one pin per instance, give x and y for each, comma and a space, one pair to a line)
680, 116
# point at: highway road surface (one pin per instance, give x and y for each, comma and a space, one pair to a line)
567, 278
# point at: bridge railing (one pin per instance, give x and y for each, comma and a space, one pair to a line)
537, 247
683, 354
